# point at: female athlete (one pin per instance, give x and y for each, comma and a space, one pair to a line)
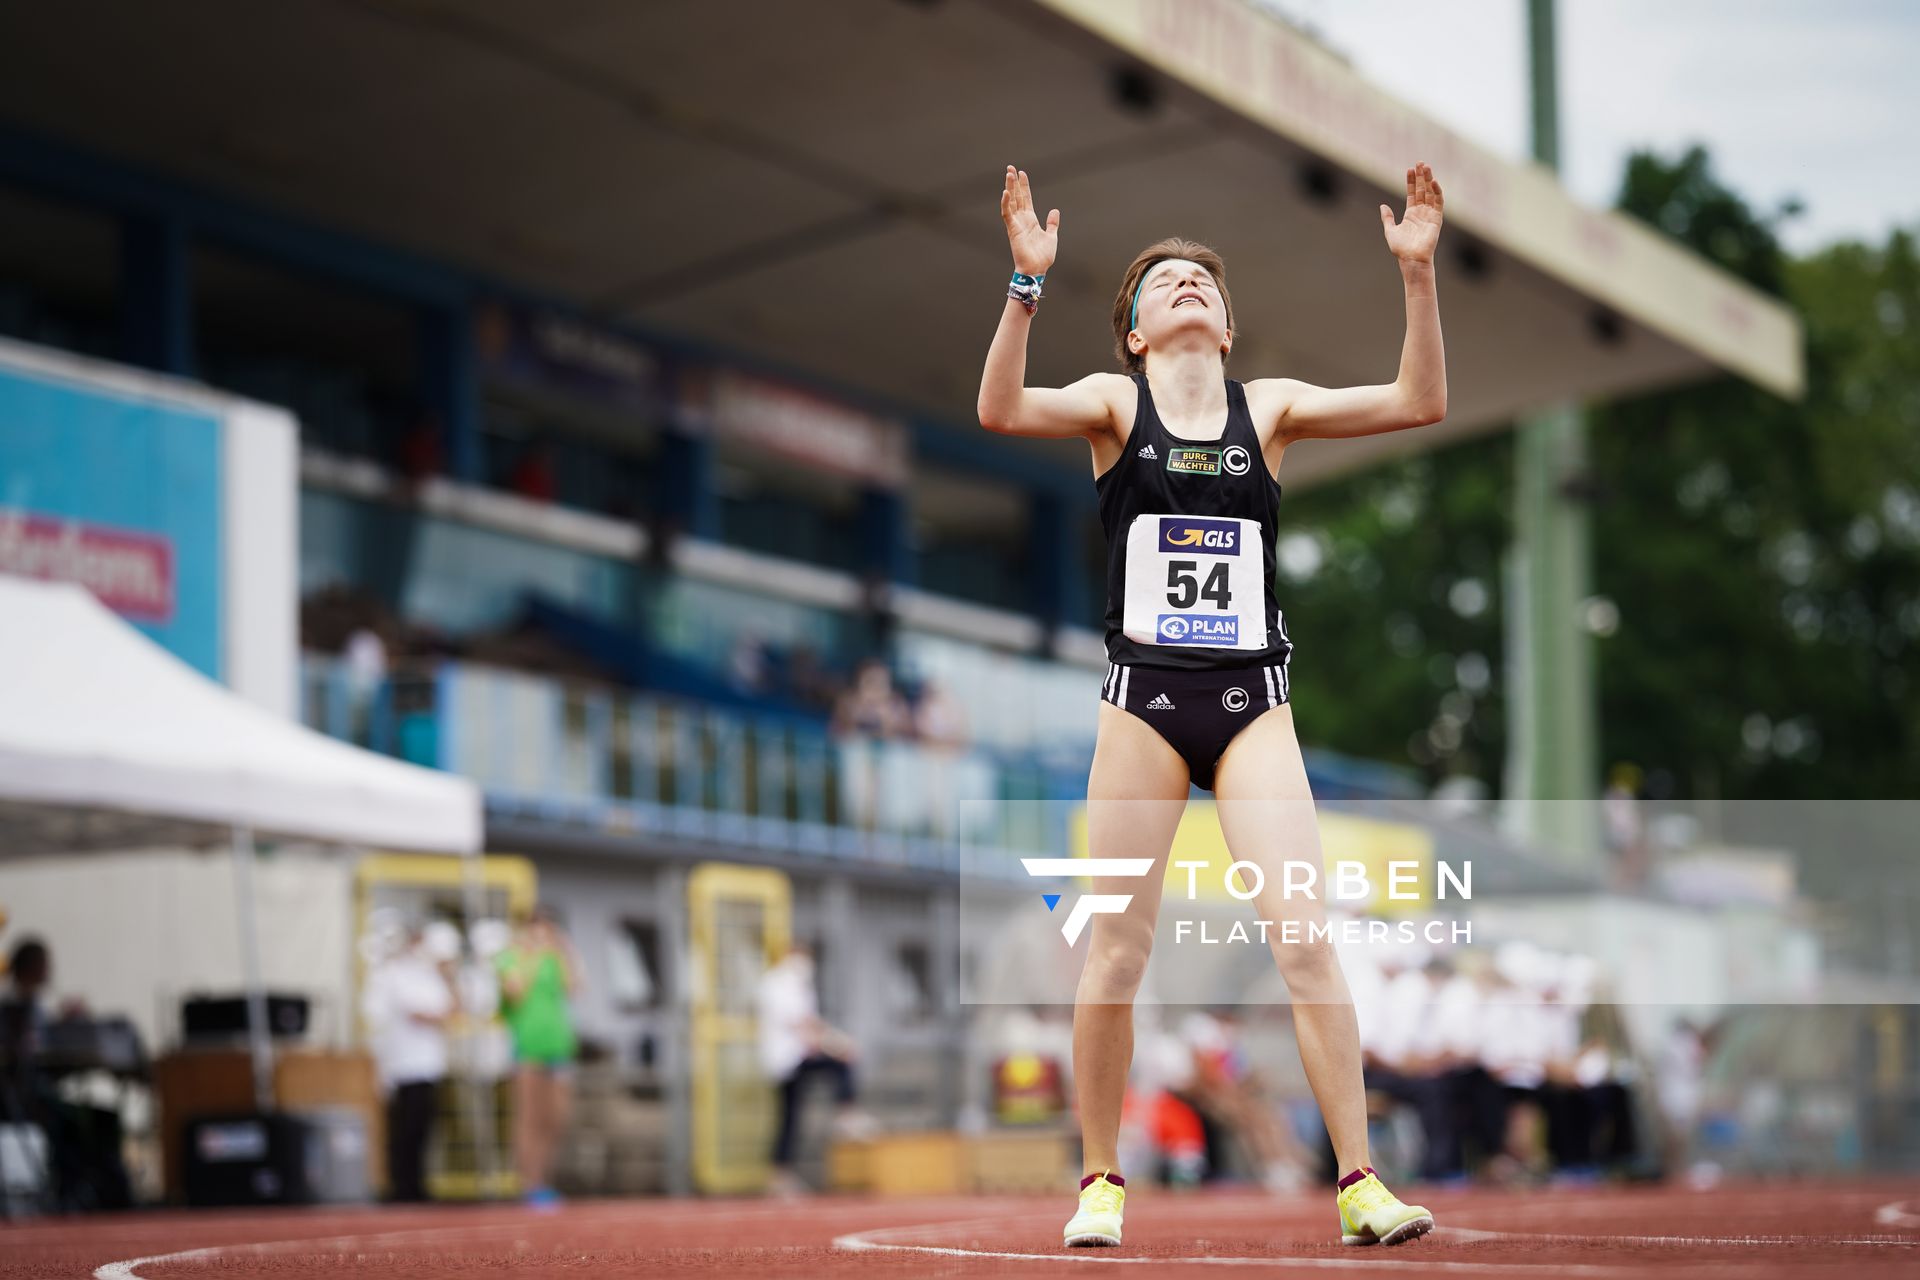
1184, 463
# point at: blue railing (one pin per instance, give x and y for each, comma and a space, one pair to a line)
612, 759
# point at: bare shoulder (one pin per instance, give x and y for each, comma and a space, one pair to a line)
1268, 400
1121, 398
1117, 392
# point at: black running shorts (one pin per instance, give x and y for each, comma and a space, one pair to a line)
1197, 712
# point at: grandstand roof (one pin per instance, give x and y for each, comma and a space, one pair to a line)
816, 184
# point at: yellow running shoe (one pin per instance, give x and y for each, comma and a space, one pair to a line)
1098, 1221
1371, 1214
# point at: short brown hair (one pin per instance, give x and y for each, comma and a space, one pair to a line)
1148, 258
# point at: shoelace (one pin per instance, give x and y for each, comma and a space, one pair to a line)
1101, 1197
1370, 1194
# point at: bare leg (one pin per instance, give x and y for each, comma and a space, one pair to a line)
1135, 796
1266, 813
526, 1128
559, 1112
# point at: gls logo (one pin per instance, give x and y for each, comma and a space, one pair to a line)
1087, 905
1213, 537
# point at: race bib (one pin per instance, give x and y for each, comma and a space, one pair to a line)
1195, 580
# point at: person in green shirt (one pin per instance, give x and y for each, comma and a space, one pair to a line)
539, 974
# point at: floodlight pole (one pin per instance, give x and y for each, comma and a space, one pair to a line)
1551, 775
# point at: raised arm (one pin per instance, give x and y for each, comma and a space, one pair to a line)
1416, 397
1006, 404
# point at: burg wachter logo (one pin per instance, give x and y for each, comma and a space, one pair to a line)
1348, 882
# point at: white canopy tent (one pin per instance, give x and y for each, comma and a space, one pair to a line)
93, 715
106, 740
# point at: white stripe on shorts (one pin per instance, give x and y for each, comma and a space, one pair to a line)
1126, 677
1267, 674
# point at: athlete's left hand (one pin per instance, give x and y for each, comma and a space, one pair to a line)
1413, 239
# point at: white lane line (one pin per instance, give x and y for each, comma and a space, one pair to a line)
129, 1269
1898, 1214
887, 1239
630, 1213
873, 1241
125, 1270
1771, 1241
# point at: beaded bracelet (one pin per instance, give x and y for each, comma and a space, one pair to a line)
1025, 290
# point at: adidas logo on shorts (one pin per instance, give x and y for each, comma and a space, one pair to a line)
1146, 451
1161, 702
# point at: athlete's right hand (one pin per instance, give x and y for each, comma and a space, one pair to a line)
1033, 245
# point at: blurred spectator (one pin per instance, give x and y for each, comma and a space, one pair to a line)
1563, 1099
539, 976
795, 1047
1625, 827
365, 663
408, 1002
870, 712
1506, 1061
1411, 1059
1681, 1071
1605, 1139
422, 451
1471, 1107
940, 724
748, 667
939, 718
23, 1019
1518, 1049
808, 680
1160, 1108
871, 707
80, 1168
1229, 1096
532, 475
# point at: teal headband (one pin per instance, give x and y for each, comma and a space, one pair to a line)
1133, 315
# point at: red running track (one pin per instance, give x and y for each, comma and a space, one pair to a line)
1791, 1231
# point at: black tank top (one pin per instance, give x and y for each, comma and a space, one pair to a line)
1159, 474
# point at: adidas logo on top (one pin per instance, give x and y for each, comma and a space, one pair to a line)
1161, 702
1146, 451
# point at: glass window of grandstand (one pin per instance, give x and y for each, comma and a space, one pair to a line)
570, 451
344, 361
59, 275
971, 535
773, 505
547, 457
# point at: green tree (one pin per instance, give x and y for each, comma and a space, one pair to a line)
1764, 556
